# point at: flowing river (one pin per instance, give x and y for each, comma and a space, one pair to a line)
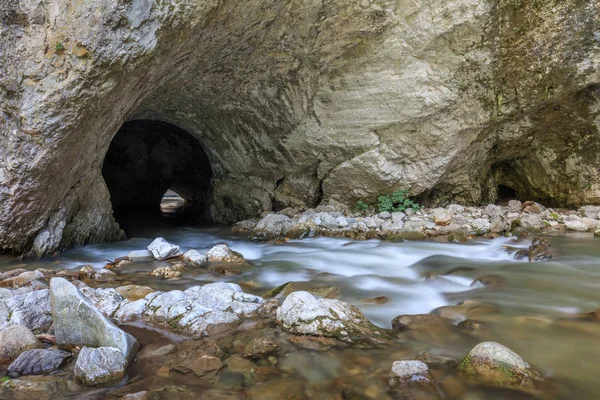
532, 311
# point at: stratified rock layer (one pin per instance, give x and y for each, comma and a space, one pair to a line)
295, 103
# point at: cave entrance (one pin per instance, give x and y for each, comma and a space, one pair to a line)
505, 194
157, 174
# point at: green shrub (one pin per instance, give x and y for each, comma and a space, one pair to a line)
361, 206
398, 201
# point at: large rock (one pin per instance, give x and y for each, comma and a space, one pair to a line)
100, 365
162, 250
14, 340
30, 309
194, 258
492, 364
304, 314
141, 256
78, 323
297, 104
38, 362
272, 226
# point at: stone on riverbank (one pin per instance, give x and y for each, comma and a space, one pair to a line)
78, 323
38, 362
134, 292
493, 364
194, 258
31, 309
302, 313
162, 250
100, 365
14, 340
272, 226
222, 253
140, 256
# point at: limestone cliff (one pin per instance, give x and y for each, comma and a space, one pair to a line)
297, 102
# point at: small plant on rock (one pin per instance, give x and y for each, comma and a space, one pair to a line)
398, 201
59, 48
361, 206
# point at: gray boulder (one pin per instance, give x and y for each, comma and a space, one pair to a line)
14, 340
304, 314
272, 226
194, 258
38, 362
493, 364
531, 221
30, 309
100, 365
141, 256
162, 250
592, 212
222, 253
575, 223
78, 323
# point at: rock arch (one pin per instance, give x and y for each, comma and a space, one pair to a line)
294, 102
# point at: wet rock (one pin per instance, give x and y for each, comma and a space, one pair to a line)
302, 313
100, 365
277, 389
31, 309
78, 323
492, 364
411, 374
162, 250
495, 281
87, 272
465, 310
166, 272
197, 363
492, 211
200, 310
272, 226
194, 258
260, 347
471, 325
435, 361
38, 362
327, 292
106, 300
145, 395
419, 321
12, 273
316, 343
14, 340
134, 292
104, 275
140, 256
24, 279
575, 223
539, 250
222, 253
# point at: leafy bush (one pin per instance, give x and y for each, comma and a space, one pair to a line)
361, 206
398, 201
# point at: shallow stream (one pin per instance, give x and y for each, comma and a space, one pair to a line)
532, 310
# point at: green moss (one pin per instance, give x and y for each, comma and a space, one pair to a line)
515, 224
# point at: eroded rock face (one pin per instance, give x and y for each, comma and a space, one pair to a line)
296, 103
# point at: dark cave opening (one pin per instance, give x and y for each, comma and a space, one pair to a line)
158, 175
506, 193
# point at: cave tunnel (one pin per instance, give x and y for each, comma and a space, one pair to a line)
147, 161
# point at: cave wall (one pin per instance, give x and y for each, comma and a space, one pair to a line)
296, 102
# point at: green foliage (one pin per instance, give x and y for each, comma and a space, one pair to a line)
398, 201
361, 206
59, 47
4, 379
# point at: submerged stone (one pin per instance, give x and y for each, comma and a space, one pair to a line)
493, 364
411, 374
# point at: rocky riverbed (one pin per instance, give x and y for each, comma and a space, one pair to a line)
103, 331
454, 222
